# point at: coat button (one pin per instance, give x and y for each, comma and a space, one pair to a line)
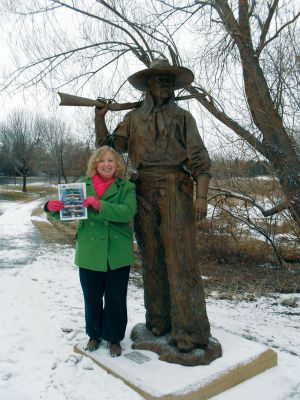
105, 223
92, 223
93, 239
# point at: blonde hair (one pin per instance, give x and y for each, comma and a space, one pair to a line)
96, 157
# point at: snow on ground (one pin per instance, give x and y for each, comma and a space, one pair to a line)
42, 318
19, 237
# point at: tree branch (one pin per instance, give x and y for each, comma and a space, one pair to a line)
264, 43
133, 26
63, 56
228, 18
256, 228
208, 103
141, 56
249, 199
43, 10
244, 22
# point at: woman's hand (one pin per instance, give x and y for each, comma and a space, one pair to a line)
93, 202
55, 205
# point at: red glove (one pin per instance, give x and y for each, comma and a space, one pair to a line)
93, 202
55, 205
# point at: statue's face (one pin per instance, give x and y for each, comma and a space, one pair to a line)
161, 86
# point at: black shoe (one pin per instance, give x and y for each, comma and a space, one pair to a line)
115, 349
93, 344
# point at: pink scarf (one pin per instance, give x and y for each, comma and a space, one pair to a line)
100, 185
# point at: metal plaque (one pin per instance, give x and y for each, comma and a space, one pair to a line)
137, 357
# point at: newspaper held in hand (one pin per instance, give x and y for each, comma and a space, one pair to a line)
72, 195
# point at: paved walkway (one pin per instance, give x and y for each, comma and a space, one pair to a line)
19, 238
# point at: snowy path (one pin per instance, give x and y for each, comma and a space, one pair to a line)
19, 239
42, 318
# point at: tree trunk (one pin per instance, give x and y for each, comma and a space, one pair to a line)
24, 189
277, 146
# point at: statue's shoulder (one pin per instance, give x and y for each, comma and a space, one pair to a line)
181, 111
130, 115
178, 108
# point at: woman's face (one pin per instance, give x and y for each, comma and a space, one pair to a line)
106, 167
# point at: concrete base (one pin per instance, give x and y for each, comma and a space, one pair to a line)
143, 339
154, 379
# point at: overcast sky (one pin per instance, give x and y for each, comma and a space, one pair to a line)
36, 100
42, 101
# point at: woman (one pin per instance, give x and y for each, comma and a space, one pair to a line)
104, 248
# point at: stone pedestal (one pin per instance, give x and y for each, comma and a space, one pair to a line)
154, 379
143, 339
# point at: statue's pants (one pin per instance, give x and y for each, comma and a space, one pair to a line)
165, 232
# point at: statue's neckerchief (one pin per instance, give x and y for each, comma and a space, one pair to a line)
158, 118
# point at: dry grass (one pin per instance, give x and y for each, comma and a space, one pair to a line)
245, 283
231, 240
251, 186
17, 196
52, 231
64, 232
244, 268
50, 234
235, 266
15, 193
225, 243
230, 275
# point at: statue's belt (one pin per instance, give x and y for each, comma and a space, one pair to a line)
158, 172
164, 177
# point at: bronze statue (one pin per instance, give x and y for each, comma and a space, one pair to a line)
166, 150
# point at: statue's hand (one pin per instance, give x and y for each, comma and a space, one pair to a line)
100, 112
200, 208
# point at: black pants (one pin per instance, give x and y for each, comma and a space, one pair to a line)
107, 321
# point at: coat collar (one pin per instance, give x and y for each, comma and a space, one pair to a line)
111, 191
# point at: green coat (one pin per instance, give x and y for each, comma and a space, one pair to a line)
106, 236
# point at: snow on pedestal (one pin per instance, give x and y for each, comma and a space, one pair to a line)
154, 379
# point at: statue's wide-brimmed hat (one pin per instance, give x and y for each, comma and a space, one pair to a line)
161, 66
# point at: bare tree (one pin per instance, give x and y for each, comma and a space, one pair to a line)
67, 155
249, 39
78, 155
57, 138
21, 139
245, 54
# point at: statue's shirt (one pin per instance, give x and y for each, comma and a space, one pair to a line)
165, 136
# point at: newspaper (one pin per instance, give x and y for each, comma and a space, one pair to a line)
72, 195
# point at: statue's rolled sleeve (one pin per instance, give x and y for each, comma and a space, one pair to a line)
120, 135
